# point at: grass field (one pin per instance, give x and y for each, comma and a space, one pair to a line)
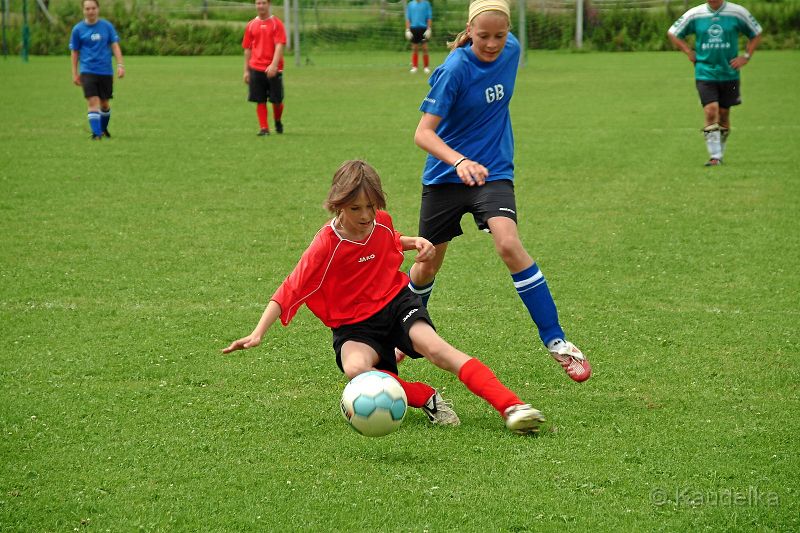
126, 265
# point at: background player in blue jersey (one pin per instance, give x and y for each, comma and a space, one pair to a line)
419, 16
466, 130
92, 42
716, 26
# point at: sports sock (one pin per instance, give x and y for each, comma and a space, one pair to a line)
417, 392
94, 123
261, 111
105, 118
277, 110
424, 291
713, 141
481, 381
425, 60
723, 137
532, 288
414, 59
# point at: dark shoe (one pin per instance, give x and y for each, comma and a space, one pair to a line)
713, 162
96, 137
106, 134
262, 132
279, 126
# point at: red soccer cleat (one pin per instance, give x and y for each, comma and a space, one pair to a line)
571, 360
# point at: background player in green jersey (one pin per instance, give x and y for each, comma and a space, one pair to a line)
716, 26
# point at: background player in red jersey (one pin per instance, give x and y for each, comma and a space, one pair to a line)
350, 278
263, 43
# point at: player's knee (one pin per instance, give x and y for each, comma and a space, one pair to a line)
509, 248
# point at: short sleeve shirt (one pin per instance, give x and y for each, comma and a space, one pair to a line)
93, 42
717, 38
418, 13
261, 37
472, 98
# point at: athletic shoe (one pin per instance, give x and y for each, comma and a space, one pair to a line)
279, 126
106, 134
571, 360
440, 411
523, 419
399, 356
426, 70
413, 70
96, 137
713, 162
262, 132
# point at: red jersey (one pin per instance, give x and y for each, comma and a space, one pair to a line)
342, 281
261, 37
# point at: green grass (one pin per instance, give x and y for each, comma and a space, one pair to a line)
126, 265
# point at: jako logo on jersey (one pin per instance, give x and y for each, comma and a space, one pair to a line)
96, 37
366, 258
410, 313
494, 93
507, 209
430, 100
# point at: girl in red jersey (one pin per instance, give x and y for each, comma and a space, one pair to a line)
350, 278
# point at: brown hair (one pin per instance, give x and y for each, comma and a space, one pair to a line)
96, 2
350, 180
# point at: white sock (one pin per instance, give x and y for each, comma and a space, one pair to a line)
713, 141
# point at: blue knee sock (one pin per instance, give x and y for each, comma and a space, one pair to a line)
532, 288
424, 291
94, 123
105, 117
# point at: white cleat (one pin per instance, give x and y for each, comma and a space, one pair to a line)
440, 411
523, 419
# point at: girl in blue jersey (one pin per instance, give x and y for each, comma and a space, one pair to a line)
92, 42
466, 130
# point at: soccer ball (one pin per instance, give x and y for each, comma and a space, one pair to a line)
374, 403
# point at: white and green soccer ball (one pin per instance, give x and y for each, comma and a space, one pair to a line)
374, 404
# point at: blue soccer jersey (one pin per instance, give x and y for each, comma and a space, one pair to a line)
418, 13
472, 97
93, 41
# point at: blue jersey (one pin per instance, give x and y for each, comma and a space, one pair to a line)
418, 13
472, 97
93, 42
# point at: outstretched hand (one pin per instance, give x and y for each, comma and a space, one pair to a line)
425, 250
251, 341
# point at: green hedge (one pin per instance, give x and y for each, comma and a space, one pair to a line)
145, 32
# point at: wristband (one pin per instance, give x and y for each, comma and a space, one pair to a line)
746, 56
459, 161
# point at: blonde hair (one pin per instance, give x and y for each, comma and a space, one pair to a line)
479, 7
350, 180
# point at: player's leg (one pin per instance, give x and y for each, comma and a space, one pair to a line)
91, 91
423, 275
494, 208
724, 127
414, 57
425, 57
106, 92
729, 97
476, 376
276, 97
709, 98
258, 92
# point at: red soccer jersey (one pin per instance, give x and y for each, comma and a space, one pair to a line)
343, 281
261, 37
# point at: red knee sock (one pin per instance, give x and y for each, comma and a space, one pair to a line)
481, 381
425, 60
414, 60
417, 392
261, 111
277, 110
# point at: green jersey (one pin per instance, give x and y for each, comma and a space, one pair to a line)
717, 34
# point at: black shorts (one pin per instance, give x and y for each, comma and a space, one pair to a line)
385, 330
444, 205
724, 92
263, 88
98, 85
418, 35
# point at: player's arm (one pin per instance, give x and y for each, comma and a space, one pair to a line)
270, 315
470, 172
425, 250
246, 76
76, 77
277, 57
118, 56
683, 46
740, 61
